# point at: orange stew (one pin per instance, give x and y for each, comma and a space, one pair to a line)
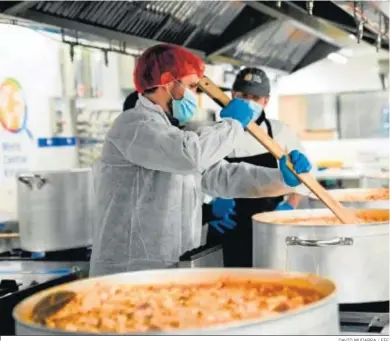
363, 217
380, 194
126, 308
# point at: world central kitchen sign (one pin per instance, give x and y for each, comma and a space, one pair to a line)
15, 138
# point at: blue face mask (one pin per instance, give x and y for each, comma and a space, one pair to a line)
257, 109
184, 109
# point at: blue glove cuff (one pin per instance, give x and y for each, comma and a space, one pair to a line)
284, 206
301, 165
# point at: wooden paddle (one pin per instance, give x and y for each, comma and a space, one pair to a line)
345, 216
9, 235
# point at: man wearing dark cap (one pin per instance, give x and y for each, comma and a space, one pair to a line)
235, 229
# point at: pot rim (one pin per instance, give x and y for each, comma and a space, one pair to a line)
378, 176
336, 192
212, 272
316, 212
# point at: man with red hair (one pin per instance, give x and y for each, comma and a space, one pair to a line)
150, 179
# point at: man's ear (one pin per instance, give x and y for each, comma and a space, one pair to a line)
266, 100
166, 78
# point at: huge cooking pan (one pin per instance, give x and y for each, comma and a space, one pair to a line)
319, 318
355, 257
357, 197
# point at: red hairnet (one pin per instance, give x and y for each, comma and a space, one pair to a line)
165, 58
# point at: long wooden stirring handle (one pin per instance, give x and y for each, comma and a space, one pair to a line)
346, 216
9, 235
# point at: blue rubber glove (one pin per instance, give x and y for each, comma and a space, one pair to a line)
224, 224
239, 110
284, 206
220, 207
37, 255
301, 165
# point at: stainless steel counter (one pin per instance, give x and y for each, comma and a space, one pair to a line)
25, 272
21, 278
339, 174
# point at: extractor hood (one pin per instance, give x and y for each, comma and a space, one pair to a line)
276, 34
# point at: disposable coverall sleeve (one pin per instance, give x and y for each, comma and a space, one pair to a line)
243, 180
155, 145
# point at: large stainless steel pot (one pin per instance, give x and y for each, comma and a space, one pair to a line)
320, 318
55, 210
355, 257
361, 195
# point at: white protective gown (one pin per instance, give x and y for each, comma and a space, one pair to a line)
149, 186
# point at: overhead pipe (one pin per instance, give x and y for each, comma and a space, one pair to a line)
121, 49
105, 53
379, 36
310, 6
359, 20
71, 52
383, 70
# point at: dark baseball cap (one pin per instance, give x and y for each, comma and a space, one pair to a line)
252, 81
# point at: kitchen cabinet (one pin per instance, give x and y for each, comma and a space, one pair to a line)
364, 115
312, 117
321, 112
